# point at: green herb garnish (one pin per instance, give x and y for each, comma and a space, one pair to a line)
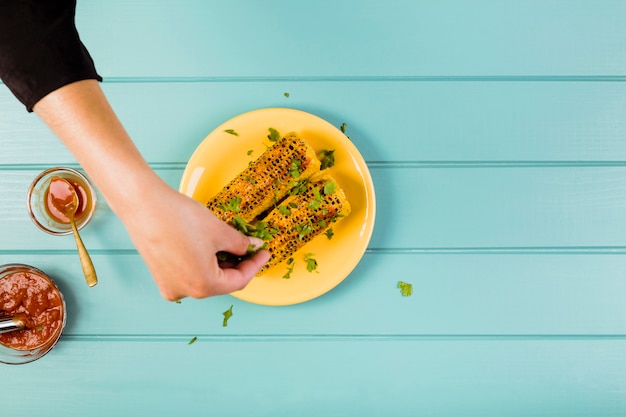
192, 341
231, 132
284, 210
327, 158
297, 187
317, 200
227, 315
260, 230
233, 205
405, 288
311, 263
329, 188
286, 94
329, 233
304, 229
343, 130
295, 169
249, 152
291, 265
274, 136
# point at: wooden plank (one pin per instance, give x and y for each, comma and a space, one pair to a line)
333, 377
438, 122
193, 38
452, 295
419, 208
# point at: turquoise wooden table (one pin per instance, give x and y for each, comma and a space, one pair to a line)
495, 135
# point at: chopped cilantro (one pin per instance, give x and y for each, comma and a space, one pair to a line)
284, 210
231, 132
240, 224
39, 328
227, 315
343, 130
178, 302
311, 263
286, 94
274, 136
249, 152
291, 265
329, 233
317, 200
303, 230
405, 288
233, 205
260, 230
327, 158
329, 187
297, 187
193, 340
295, 169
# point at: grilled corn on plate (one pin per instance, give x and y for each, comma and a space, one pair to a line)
282, 197
267, 180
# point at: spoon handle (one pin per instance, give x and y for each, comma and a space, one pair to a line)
9, 324
85, 259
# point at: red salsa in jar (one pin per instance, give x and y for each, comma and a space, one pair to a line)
38, 303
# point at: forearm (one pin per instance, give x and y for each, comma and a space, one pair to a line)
81, 117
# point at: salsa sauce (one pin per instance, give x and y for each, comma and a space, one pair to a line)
58, 196
38, 303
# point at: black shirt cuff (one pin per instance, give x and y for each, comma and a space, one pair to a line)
40, 49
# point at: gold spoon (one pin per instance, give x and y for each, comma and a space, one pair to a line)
69, 209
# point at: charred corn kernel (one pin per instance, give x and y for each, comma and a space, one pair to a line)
267, 180
299, 218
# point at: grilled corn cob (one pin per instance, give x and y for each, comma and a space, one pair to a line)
304, 215
266, 181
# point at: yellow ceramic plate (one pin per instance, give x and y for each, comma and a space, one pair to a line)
222, 155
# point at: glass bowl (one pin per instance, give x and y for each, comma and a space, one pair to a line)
29, 292
37, 201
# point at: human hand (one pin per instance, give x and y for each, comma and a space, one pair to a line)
178, 238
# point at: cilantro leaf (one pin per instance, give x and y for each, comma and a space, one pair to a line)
227, 315
343, 130
329, 233
233, 205
231, 132
286, 94
311, 263
329, 187
327, 158
405, 288
291, 265
193, 340
274, 136
295, 169
317, 200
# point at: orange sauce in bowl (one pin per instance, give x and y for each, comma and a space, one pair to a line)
38, 303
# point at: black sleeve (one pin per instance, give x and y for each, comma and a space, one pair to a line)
40, 50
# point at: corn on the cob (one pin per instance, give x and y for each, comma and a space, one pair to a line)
266, 181
301, 217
